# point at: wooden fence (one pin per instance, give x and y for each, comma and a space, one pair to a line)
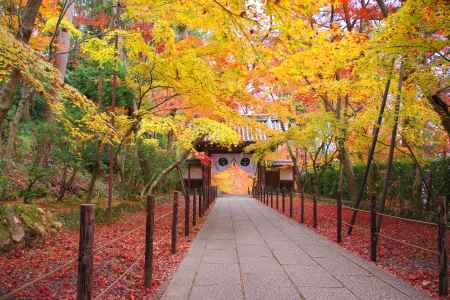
201, 201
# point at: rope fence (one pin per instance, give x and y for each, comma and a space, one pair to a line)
373, 227
206, 196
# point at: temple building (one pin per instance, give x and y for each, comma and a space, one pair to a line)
234, 171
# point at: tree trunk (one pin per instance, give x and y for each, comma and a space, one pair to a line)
28, 18
376, 131
417, 189
95, 172
7, 93
383, 7
63, 45
62, 185
441, 108
17, 118
387, 177
167, 170
297, 171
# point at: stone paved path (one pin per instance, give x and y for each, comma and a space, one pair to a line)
248, 251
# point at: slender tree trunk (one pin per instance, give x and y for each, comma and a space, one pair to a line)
113, 110
341, 140
376, 131
440, 106
344, 155
12, 137
383, 7
63, 46
8, 91
297, 170
417, 189
167, 170
62, 185
95, 172
387, 177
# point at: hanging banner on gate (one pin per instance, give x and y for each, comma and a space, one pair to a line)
221, 162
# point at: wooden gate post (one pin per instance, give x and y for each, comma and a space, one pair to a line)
339, 218
291, 204
277, 204
283, 201
200, 202
206, 199
259, 194
314, 211
373, 227
194, 208
148, 264
86, 252
174, 222
302, 206
187, 211
442, 246
271, 201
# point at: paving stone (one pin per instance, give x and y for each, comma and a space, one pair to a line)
270, 294
327, 294
318, 251
175, 292
253, 251
294, 258
370, 287
208, 274
311, 276
341, 266
220, 244
216, 292
261, 266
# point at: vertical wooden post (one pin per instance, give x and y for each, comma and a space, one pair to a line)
283, 201
209, 196
86, 251
148, 264
291, 204
200, 202
174, 222
277, 204
194, 208
442, 246
339, 218
373, 227
302, 207
314, 211
271, 201
204, 200
187, 213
